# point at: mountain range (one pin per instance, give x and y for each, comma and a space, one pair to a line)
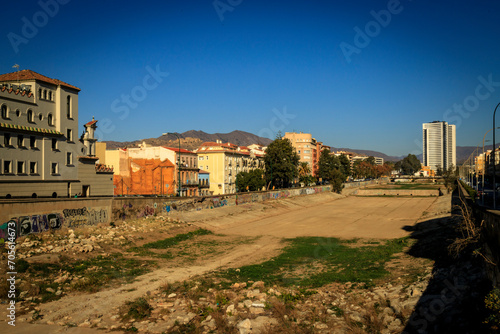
192, 139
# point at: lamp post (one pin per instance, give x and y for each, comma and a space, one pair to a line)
494, 162
178, 162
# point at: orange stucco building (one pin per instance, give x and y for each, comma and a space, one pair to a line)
146, 177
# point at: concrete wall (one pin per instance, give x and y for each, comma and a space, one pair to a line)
36, 216
397, 192
125, 208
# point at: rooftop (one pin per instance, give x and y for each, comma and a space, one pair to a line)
32, 75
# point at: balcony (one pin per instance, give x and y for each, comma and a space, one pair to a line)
189, 183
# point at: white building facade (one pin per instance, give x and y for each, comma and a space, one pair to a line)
439, 145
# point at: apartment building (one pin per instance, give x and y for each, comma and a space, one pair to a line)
40, 153
224, 161
439, 145
307, 147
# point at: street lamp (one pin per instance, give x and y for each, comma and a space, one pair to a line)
494, 162
178, 162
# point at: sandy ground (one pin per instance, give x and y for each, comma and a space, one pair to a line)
325, 214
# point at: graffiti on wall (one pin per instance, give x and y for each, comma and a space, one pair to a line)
70, 218
85, 216
33, 224
155, 207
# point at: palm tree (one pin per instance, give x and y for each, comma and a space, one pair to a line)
304, 169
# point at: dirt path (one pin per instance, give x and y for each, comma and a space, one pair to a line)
83, 306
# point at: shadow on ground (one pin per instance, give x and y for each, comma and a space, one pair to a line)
453, 301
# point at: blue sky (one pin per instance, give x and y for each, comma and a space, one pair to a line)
358, 74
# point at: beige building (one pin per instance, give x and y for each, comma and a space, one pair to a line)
224, 162
307, 147
39, 148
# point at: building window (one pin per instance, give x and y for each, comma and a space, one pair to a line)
200, 158
69, 158
39, 93
30, 116
50, 119
20, 167
32, 142
50, 95
45, 94
69, 135
18, 112
68, 106
33, 167
20, 141
54, 144
54, 168
7, 167
40, 117
6, 139
5, 112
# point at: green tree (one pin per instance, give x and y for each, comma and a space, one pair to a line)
337, 179
251, 181
326, 163
409, 165
371, 161
281, 162
345, 165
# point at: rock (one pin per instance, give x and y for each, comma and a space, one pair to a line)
172, 295
258, 305
256, 310
230, 309
50, 290
258, 285
245, 326
247, 303
320, 325
58, 293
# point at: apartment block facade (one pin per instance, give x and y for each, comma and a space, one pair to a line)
224, 161
439, 145
307, 147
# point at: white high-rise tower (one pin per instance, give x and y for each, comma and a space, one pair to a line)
439, 145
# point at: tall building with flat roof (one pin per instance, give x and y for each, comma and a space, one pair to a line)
439, 145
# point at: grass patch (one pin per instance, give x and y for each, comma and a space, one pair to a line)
94, 273
137, 309
313, 262
145, 250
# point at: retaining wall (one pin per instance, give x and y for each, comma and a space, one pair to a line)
41, 215
397, 192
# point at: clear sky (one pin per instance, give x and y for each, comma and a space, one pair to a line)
358, 74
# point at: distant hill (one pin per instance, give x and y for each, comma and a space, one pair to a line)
368, 153
192, 139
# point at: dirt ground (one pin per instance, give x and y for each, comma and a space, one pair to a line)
326, 214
